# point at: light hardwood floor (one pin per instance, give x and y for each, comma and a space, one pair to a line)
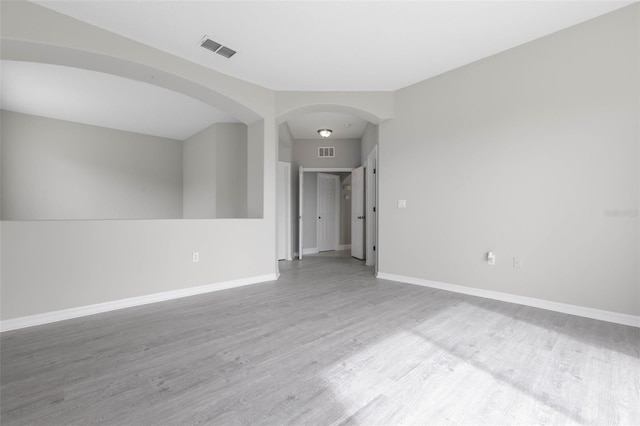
325, 344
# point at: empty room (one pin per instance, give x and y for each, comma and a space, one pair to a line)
322, 213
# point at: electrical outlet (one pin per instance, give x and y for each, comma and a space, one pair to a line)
517, 262
402, 204
195, 256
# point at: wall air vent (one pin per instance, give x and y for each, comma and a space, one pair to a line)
326, 152
216, 47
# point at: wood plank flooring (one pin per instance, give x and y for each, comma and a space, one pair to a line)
327, 344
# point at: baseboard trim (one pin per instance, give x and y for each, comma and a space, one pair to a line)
313, 250
344, 247
565, 308
81, 311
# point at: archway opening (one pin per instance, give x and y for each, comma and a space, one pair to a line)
184, 151
351, 147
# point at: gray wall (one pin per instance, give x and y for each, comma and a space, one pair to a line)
522, 153
199, 175
255, 180
285, 143
231, 170
285, 153
305, 153
104, 260
54, 169
368, 142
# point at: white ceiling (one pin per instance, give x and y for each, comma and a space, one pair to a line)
337, 45
104, 100
344, 126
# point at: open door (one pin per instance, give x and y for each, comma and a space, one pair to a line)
328, 207
371, 208
357, 213
300, 203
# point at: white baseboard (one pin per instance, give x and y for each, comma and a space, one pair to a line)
565, 308
49, 317
315, 250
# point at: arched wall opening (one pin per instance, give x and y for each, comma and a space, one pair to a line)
20, 50
218, 170
121, 263
370, 116
296, 156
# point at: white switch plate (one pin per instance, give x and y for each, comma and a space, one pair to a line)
196, 256
517, 262
402, 204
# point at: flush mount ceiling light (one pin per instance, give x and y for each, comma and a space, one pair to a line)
216, 47
325, 133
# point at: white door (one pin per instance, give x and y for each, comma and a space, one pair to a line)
357, 213
328, 212
300, 202
283, 203
371, 209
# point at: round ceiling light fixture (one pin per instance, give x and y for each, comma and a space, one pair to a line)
325, 133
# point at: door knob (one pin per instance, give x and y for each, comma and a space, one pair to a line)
319, 217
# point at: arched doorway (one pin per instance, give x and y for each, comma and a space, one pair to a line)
303, 165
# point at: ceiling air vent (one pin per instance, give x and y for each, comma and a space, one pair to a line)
326, 152
226, 52
216, 47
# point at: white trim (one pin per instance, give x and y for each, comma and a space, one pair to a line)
549, 305
315, 250
300, 212
81, 311
326, 169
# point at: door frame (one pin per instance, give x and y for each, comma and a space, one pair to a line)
336, 210
358, 213
302, 171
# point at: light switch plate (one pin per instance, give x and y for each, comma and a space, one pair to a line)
517, 262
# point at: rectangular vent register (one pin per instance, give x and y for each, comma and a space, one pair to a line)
326, 151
